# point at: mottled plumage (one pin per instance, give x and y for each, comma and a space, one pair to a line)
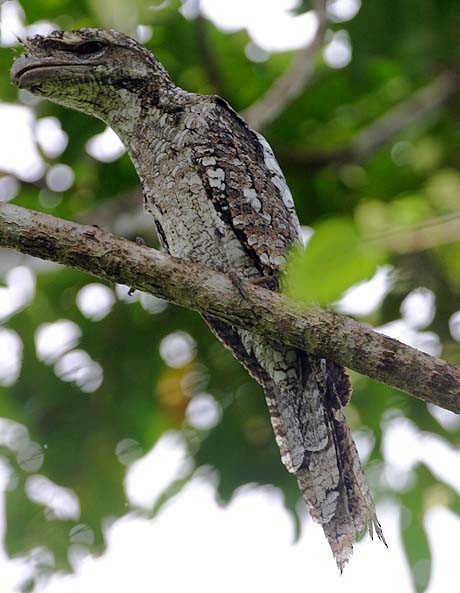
218, 198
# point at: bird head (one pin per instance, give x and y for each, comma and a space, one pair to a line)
97, 71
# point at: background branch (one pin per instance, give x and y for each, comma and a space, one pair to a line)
431, 233
336, 337
385, 128
208, 57
292, 82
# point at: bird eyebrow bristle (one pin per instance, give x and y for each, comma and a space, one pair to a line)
57, 44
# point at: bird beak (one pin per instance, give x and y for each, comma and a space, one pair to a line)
28, 70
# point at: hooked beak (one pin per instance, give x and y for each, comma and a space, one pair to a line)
28, 70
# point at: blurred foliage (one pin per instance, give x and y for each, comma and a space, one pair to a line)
337, 248
414, 179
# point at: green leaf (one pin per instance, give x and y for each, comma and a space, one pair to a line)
304, 6
335, 258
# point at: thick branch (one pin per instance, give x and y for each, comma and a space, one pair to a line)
291, 83
336, 337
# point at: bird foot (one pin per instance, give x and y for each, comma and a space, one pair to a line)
268, 282
91, 231
237, 282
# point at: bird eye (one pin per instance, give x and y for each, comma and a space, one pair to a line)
89, 47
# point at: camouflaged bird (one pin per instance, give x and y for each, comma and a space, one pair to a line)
218, 198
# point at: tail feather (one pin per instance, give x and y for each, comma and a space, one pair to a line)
352, 508
305, 396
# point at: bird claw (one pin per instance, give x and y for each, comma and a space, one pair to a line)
238, 284
268, 282
91, 231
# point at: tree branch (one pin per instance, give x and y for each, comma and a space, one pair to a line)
385, 128
292, 82
421, 104
334, 336
431, 233
208, 57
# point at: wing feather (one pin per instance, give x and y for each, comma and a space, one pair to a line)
244, 182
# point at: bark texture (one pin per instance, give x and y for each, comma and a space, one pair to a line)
335, 337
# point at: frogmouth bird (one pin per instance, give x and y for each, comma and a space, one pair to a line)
218, 198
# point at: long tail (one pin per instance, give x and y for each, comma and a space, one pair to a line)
305, 396
329, 474
354, 508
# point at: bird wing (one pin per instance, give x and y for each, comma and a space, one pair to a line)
244, 181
